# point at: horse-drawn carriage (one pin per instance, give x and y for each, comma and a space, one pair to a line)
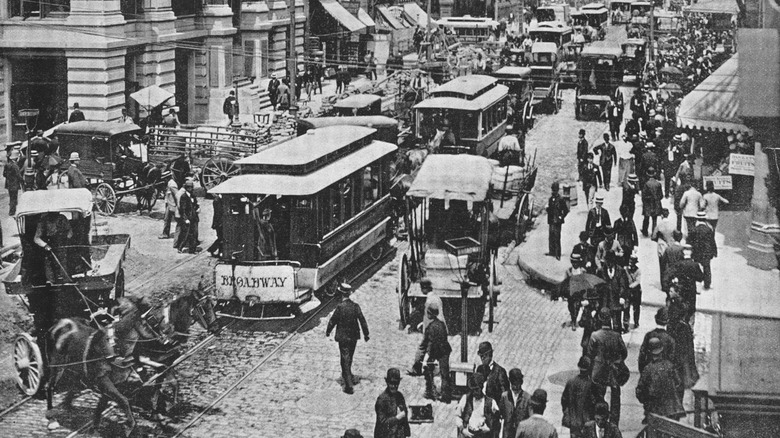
545, 74
634, 58
600, 73
520, 84
570, 55
113, 160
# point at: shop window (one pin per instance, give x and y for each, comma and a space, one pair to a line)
38, 8
131, 9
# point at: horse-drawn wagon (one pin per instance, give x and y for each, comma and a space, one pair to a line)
600, 74
545, 74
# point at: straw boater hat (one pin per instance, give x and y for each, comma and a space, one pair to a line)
74, 156
345, 288
632, 177
599, 199
701, 214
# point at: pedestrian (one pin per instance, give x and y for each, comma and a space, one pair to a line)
578, 401
649, 160
652, 194
496, 379
352, 433
13, 181
659, 383
682, 277
432, 300
626, 235
586, 251
273, 90
608, 353
702, 240
171, 207
672, 253
690, 204
598, 220
283, 96
438, 350
609, 244
573, 299
171, 119
582, 152
348, 320
607, 159
634, 277
515, 404
591, 180
340, 80
615, 292
230, 107
679, 191
392, 414
712, 203
660, 332
76, 179
630, 190
600, 426
76, 115
180, 169
188, 211
216, 224
557, 209
684, 357
125, 118
615, 119
685, 173
537, 426
476, 414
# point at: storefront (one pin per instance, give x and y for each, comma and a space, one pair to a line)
719, 137
339, 32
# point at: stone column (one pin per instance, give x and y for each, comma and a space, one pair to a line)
94, 13
96, 80
764, 229
156, 66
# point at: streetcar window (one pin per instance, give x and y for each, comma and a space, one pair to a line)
469, 127
323, 212
370, 185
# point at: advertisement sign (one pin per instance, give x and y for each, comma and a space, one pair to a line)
722, 182
266, 284
740, 164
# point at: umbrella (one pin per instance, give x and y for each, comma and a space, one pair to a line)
576, 284
672, 88
671, 70
151, 96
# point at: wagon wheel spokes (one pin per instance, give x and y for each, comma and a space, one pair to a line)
147, 198
105, 198
28, 363
217, 170
404, 283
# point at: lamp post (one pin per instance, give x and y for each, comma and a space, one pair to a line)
292, 61
464, 320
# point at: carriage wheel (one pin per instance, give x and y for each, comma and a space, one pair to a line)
216, 170
404, 283
528, 111
28, 363
558, 99
523, 217
555, 95
147, 198
105, 198
119, 284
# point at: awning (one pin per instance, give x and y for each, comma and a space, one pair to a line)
390, 18
343, 16
714, 103
715, 7
309, 184
365, 18
759, 73
417, 13
45, 201
458, 177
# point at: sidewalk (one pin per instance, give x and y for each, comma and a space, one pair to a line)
737, 287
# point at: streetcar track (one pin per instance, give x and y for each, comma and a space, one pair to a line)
15, 406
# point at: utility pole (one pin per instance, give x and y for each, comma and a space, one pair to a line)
292, 61
651, 50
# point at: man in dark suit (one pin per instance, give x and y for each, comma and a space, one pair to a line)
672, 255
652, 193
556, 212
346, 318
578, 400
661, 320
630, 189
496, 379
13, 180
591, 179
582, 152
76, 115
514, 405
687, 273
601, 427
598, 219
606, 349
392, 420
659, 384
437, 346
702, 239
537, 426
607, 159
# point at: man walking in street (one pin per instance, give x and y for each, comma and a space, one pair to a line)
216, 224
652, 194
171, 207
188, 215
515, 404
634, 278
712, 203
582, 152
626, 235
437, 346
630, 190
557, 209
76, 115
578, 400
537, 426
615, 118
607, 351
76, 179
601, 427
273, 90
598, 220
476, 415
607, 159
684, 358
661, 320
495, 375
702, 241
690, 204
13, 181
682, 277
591, 180
432, 301
392, 414
348, 320
230, 107
663, 235
659, 384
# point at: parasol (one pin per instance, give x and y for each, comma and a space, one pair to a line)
576, 284
671, 70
151, 96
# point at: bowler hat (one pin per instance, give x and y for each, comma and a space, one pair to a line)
539, 397
555, 186
484, 348
393, 375
426, 285
515, 375
476, 381
662, 316
608, 230
655, 346
584, 363
651, 171
345, 288
352, 433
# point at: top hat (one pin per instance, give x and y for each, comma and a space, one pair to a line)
345, 288
484, 348
539, 397
662, 316
393, 375
655, 346
74, 156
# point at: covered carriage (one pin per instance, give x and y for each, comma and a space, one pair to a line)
600, 74
545, 73
521, 88
634, 58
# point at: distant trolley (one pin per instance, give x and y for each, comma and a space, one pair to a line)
470, 29
551, 32
600, 74
545, 74
298, 217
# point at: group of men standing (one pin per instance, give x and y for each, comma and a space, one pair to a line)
181, 205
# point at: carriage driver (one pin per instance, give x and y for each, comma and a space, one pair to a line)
52, 234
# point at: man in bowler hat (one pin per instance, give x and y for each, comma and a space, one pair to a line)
606, 349
495, 377
392, 414
537, 426
345, 319
437, 346
556, 213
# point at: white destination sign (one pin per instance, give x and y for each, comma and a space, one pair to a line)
722, 182
269, 284
740, 164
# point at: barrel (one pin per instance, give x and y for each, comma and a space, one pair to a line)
569, 193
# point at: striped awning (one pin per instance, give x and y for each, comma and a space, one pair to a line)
343, 16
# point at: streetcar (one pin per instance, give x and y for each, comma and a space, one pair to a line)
620, 11
551, 32
475, 107
521, 89
468, 29
545, 74
597, 17
600, 74
558, 12
359, 105
634, 58
299, 217
667, 23
386, 127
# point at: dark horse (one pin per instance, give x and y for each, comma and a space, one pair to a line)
78, 352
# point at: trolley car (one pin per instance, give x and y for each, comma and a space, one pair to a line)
545, 74
298, 217
621, 11
447, 218
470, 30
521, 87
551, 32
386, 127
79, 277
475, 106
597, 17
359, 105
600, 74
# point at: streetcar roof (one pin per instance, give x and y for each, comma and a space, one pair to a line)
596, 50
368, 121
316, 144
466, 85
641, 4
635, 42
511, 72
593, 5
542, 47
357, 101
306, 184
551, 27
93, 128
601, 10
54, 201
621, 2
445, 177
481, 102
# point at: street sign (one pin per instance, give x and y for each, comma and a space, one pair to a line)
29, 112
268, 284
722, 182
740, 164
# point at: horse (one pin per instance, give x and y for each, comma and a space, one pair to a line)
78, 351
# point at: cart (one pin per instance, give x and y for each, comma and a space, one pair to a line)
521, 87
447, 219
545, 75
513, 203
634, 58
113, 158
88, 274
600, 73
568, 66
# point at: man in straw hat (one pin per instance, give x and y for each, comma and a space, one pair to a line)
476, 414
600, 426
537, 426
658, 385
606, 351
598, 219
13, 180
578, 400
702, 240
76, 179
392, 414
348, 320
